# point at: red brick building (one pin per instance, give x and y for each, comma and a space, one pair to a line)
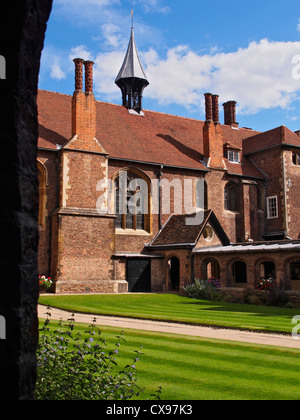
98, 236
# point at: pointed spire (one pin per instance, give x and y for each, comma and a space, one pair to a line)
132, 79
132, 66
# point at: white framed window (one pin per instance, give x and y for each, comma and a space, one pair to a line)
272, 207
233, 156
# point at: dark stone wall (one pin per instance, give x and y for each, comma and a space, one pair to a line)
21, 42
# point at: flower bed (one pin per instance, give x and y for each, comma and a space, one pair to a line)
44, 283
265, 284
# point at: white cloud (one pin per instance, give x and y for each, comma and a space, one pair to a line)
95, 13
258, 77
112, 34
106, 69
56, 70
154, 6
85, 5
53, 63
81, 51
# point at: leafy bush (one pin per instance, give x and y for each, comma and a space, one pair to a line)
277, 296
267, 293
204, 289
76, 367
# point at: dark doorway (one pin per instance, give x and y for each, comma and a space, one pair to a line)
239, 272
139, 275
174, 277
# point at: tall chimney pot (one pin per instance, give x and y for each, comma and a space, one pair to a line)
230, 113
78, 73
208, 107
88, 76
215, 108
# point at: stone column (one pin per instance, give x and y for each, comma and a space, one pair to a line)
19, 191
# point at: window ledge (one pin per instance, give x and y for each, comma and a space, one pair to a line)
132, 232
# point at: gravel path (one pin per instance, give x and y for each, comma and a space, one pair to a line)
173, 328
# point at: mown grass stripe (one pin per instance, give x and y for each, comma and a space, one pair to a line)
179, 308
195, 368
249, 377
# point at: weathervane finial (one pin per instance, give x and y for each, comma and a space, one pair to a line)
131, 14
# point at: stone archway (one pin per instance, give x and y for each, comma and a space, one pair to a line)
210, 269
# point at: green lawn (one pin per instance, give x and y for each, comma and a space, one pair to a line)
190, 368
171, 307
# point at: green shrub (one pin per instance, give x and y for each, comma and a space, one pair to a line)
204, 289
72, 366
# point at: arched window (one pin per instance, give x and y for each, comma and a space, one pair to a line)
211, 269
42, 178
202, 195
231, 197
132, 191
239, 272
267, 270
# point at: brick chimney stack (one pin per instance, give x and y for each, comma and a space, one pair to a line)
83, 105
212, 133
78, 73
230, 113
215, 108
88, 76
208, 107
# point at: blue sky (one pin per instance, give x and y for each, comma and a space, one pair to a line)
249, 53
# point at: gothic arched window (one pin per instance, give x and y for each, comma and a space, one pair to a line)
132, 191
202, 195
231, 197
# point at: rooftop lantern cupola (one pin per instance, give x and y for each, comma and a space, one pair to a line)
132, 79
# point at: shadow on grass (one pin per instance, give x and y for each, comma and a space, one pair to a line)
263, 311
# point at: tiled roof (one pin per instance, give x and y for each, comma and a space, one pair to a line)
155, 138
275, 137
251, 247
177, 232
